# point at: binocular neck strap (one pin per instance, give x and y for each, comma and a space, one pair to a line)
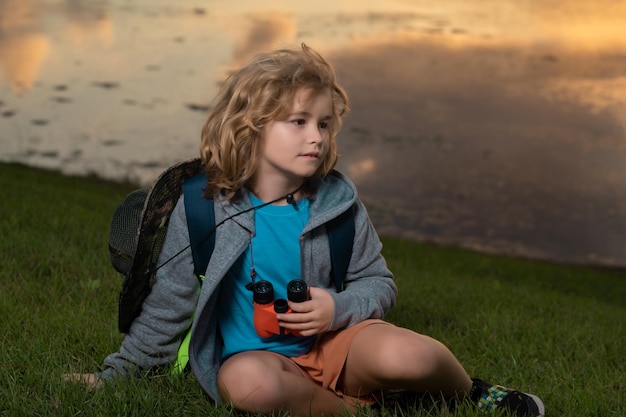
250, 285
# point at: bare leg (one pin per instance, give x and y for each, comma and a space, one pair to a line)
388, 357
264, 382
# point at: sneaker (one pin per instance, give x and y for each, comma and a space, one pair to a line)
490, 397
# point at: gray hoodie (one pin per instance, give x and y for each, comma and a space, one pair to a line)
177, 299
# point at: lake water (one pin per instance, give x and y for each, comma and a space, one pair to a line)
497, 125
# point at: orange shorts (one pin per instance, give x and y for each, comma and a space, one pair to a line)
325, 362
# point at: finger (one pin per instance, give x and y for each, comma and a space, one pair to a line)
88, 379
295, 317
304, 307
75, 377
304, 329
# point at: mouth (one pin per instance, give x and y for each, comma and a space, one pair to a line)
312, 155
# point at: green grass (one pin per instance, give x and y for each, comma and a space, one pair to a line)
557, 331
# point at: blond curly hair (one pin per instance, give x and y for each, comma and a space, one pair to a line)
262, 91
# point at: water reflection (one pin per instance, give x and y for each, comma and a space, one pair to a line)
493, 124
87, 22
261, 32
515, 159
23, 45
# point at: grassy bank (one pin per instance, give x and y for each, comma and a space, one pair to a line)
553, 330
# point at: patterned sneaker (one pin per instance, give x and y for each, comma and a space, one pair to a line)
495, 397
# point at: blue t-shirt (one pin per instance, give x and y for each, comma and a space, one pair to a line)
275, 250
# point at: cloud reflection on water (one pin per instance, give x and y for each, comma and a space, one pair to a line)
489, 143
23, 45
262, 32
88, 22
493, 124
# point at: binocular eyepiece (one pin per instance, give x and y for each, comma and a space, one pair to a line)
266, 307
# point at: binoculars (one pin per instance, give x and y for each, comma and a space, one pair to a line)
266, 308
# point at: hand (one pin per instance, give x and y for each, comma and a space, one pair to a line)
310, 317
90, 380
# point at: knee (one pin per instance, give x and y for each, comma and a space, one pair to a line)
249, 384
419, 356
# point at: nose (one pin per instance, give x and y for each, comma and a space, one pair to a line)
316, 135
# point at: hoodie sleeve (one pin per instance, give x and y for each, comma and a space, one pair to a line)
154, 337
369, 288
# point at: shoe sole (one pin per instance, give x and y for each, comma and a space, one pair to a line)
540, 406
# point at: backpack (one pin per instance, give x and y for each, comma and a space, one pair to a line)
139, 225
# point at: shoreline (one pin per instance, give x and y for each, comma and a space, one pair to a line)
381, 219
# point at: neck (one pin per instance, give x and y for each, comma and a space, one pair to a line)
281, 196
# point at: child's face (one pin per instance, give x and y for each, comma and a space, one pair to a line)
295, 145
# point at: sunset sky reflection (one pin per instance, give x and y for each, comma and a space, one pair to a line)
493, 124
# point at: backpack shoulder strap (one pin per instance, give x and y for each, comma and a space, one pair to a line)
340, 239
200, 222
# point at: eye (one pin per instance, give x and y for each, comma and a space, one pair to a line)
323, 125
299, 122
